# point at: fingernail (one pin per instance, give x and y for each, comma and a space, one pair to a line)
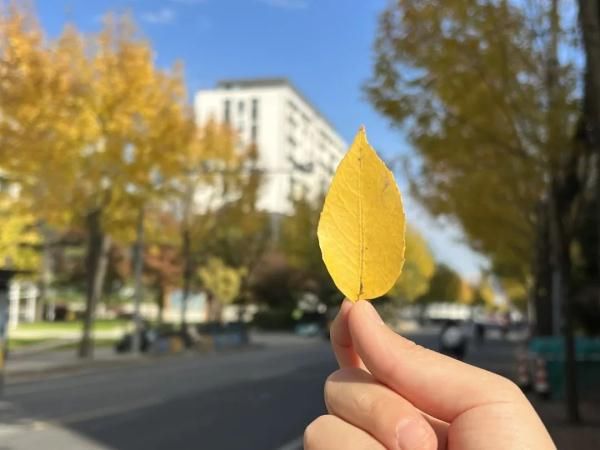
412, 434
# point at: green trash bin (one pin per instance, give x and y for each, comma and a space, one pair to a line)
552, 351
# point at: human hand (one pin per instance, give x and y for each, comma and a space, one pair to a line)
393, 394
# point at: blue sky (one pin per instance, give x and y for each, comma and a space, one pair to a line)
322, 46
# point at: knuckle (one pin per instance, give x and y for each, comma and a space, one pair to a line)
329, 388
344, 391
509, 388
313, 432
504, 389
391, 367
364, 401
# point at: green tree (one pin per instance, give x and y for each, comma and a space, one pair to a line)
444, 286
483, 293
299, 243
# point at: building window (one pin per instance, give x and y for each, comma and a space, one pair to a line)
241, 105
254, 133
227, 111
254, 109
291, 141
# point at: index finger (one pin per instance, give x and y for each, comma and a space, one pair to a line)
341, 339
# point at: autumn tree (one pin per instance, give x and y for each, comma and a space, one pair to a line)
469, 81
214, 171
222, 285
91, 126
419, 267
41, 126
162, 265
18, 236
490, 104
226, 222
276, 284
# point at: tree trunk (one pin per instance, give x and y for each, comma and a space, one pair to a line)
561, 263
160, 302
138, 267
559, 208
217, 312
589, 18
187, 272
45, 275
96, 264
542, 287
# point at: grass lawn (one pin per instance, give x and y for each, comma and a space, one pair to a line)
100, 325
20, 343
14, 344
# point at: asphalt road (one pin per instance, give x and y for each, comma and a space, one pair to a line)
256, 399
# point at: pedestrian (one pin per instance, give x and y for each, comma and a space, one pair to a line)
392, 394
453, 339
479, 333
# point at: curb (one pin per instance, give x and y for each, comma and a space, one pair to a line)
22, 376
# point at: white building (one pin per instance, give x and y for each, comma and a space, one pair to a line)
298, 148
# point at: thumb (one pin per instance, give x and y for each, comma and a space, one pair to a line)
436, 384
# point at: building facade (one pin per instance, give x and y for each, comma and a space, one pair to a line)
298, 149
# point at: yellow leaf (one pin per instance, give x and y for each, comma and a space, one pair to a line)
361, 230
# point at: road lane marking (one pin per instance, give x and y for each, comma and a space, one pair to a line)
295, 444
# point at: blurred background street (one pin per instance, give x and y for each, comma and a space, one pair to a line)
163, 167
257, 398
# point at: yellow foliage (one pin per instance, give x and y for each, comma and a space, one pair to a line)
222, 281
18, 236
484, 294
466, 294
362, 225
419, 267
87, 122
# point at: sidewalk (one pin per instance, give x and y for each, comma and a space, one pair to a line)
16, 432
581, 437
500, 358
34, 364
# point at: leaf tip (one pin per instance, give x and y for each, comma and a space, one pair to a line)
361, 136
